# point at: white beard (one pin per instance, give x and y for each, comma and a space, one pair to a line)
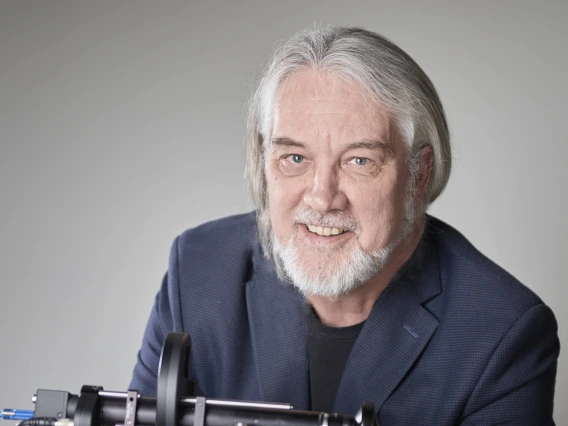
327, 279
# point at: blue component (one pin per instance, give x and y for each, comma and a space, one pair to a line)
11, 414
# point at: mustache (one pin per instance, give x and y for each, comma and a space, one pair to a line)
336, 219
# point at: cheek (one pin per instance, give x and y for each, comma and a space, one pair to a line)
283, 192
275, 191
280, 203
380, 210
376, 199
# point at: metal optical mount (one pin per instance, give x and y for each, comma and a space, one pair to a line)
175, 404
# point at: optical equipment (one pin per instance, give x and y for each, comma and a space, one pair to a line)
175, 404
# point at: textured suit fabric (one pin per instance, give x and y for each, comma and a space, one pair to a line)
454, 339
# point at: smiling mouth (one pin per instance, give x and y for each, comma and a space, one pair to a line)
325, 231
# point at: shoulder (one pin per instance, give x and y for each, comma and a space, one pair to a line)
225, 235
474, 282
215, 256
491, 326
236, 226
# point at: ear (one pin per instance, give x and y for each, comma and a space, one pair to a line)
425, 165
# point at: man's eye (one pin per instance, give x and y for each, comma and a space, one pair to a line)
296, 158
359, 161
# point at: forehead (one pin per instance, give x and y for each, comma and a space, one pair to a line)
311, 101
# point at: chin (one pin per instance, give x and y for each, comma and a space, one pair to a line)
328, 275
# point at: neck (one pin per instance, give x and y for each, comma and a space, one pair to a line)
355, 306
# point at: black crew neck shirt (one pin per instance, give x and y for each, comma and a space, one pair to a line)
328, 350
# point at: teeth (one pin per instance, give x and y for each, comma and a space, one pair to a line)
325, 231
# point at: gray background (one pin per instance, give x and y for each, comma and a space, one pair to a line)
121, 126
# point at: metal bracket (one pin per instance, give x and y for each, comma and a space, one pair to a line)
130, 414
199, 412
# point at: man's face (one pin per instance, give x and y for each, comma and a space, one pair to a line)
337, 176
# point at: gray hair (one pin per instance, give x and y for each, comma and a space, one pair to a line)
383, 71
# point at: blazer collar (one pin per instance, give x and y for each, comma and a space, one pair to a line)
394, 335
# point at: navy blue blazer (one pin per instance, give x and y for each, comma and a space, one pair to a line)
454, 339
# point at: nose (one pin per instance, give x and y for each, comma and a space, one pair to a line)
324, 194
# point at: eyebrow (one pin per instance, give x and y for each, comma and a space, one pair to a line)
371, 144
286, 142
365, 144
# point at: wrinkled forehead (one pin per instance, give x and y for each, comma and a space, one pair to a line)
308, 99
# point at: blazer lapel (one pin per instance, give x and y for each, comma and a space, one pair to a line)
278, 322
394, 335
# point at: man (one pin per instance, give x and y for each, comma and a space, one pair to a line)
339, 289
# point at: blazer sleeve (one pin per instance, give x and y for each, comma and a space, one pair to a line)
517, 385
163, 319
